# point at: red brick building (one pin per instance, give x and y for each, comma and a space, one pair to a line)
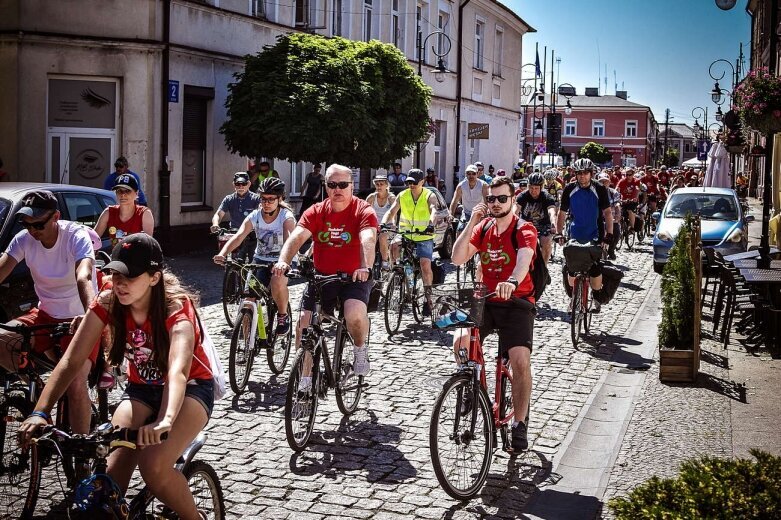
627, 129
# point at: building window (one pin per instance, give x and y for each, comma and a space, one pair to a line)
477, 89
336, 18
598, 127
257, 8
419, 13
570, 127
302, 13
194, 141
497, 92
396, 25
479, 33
630, 129
687, 147
367, 20
498, 50
442, 25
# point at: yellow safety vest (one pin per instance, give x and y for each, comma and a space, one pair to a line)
415, 214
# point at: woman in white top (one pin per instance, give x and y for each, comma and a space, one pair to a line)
381, 200
272, 222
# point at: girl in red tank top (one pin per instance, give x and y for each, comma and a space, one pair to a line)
127, 217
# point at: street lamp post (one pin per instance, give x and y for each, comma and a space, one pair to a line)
440, 70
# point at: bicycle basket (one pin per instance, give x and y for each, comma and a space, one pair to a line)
457, 305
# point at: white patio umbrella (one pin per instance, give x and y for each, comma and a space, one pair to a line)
717, 174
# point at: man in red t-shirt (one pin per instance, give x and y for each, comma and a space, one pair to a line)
344, 232
506, 271
629, 188
664, 177
655, 190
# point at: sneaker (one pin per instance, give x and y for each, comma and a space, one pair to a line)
597, 308
519, 441
612, 256
361, 365
283, 324
426, 309
305, 385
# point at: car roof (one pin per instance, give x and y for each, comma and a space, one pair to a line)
705, 190
16, 190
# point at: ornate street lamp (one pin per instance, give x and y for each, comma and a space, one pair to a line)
716, 93
438, 72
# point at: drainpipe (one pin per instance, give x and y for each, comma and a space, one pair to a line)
164, 174
456, 166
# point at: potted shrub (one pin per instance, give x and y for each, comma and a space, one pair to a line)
678, 330
757, 100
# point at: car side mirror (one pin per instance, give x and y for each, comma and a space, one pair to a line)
655, 215
750, 218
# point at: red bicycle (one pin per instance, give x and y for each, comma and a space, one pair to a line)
464, 422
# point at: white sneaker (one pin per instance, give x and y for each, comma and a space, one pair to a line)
305, 384
361, 365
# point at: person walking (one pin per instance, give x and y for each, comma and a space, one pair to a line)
122, 167
312, 189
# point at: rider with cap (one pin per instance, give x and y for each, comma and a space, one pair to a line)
535, 205
482, 175
239, 205
381, 200
470, 192
418, 206
433, 181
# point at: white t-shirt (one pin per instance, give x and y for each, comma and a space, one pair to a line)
271, 235
471, 197
54, 270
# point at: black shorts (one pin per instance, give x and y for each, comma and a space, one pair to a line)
202, 390
512, 321
630, 205
334, 291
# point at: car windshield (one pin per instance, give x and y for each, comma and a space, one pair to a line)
710, 206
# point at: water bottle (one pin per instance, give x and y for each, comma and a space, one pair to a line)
451, 318
408, 275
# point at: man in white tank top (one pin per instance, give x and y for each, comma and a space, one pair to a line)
470, 192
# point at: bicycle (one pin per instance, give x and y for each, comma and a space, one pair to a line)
255, 328
627, 231
405, 285
581, 302
100, 495
464, 421
20, 470
231, 280
313, 358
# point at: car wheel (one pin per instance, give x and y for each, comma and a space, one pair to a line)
658, 267
446, 249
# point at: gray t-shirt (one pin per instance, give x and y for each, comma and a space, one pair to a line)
239, 207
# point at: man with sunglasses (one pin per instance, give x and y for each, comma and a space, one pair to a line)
61, 260
507, 245
239, 205
122, 167
344, 232
470, 192
418, 206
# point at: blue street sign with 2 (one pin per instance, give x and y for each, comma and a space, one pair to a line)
173, 91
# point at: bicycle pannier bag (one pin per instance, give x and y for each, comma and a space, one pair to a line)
611, 279
580, 257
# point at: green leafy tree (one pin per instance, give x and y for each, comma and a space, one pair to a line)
671, 157
596, 152
316, 99
676, 329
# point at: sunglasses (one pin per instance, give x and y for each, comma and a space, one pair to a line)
266, 200
410, 182
240, 183
493, 198
343, 185
36, 225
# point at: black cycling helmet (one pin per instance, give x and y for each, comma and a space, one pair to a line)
536, 179
272, 186
583, 164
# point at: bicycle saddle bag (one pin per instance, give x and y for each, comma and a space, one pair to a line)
580, 257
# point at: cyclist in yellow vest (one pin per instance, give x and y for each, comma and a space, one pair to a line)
418, 208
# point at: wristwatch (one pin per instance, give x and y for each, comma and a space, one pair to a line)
512, 281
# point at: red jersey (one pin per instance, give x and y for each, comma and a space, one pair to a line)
651, 182
117, 229
629, 188
498, 256
336, 234
142, 354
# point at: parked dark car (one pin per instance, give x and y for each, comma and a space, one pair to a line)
77, 203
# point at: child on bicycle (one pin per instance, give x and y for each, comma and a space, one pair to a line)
153, 323
272, 222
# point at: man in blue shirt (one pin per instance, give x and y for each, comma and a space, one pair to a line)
122, 167
238, 205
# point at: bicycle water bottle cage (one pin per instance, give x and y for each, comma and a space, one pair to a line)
100, 494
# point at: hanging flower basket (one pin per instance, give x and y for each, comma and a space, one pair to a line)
758, 101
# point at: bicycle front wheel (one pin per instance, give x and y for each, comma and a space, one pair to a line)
20, 469
348, 386
629, 236
418, 298
461, 438
506, 406
279, 346
242, 352
300, 405
587, 301
393, 303
231, 295
206, 489
576, 314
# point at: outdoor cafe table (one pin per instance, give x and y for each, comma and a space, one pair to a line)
747, 255
752, 262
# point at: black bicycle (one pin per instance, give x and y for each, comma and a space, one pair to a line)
405, 285
255, 329
98, 496
231, 279
20, 468
314, 362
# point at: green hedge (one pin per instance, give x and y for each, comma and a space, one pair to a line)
709, 488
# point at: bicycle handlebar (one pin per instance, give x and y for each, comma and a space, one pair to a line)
57, 329
106, 435
427, 231
320, 278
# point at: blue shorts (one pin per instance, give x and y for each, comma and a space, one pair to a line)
202, 390
424, 249
263, 275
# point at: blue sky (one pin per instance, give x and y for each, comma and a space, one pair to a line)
660, 49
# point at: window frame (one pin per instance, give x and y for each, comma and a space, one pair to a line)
627, 126
498, 51
595, 124
574, 127
479, 44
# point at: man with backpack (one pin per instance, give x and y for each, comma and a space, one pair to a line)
508, 246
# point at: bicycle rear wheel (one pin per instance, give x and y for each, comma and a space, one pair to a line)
242, 352
348, 386
461, 454
300, 407
394, 303
418, 298
231, 295
586, 302
20, 469
206, 489
629, 237
506, 407
279, 346
576, 314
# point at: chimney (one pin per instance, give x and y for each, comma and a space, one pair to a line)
621, 94
592, 91
567, 91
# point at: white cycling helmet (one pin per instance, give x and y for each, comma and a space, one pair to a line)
550, 174
583, 164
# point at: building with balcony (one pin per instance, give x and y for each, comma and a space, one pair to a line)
148, 79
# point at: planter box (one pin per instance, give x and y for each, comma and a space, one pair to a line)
678, 366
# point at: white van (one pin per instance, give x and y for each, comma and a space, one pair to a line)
548, 160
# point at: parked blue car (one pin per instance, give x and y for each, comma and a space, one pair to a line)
723, 224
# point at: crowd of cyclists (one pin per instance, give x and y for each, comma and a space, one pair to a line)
141, 317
